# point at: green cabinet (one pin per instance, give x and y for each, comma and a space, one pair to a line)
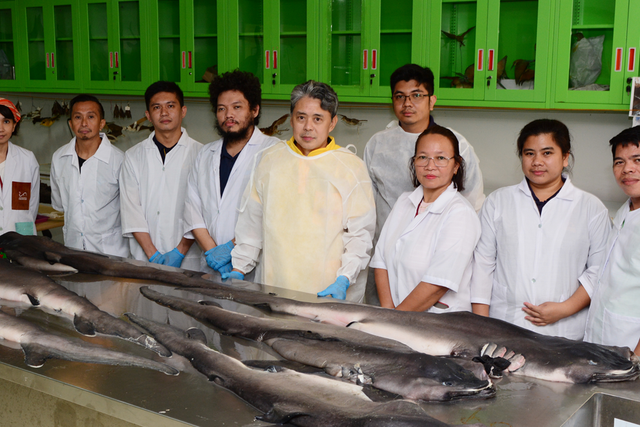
496, 52
10, 46
606, 25
186, 44
363, 42
52, 48
116, 49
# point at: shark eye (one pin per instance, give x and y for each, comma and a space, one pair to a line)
447, 383
591, 362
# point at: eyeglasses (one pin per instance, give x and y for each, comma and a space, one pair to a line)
415, 98
439, 161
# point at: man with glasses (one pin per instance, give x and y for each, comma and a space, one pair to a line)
388, 152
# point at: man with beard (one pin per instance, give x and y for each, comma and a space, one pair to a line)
84, 182
153, 183
223, 167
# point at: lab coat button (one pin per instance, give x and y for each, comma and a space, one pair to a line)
539, 225
163, 169
1, 208
533, 280
82, 234
158, 212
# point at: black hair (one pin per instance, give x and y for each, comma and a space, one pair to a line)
242, 81
163, 86
558, 131
458, 177
624, 138
316, 90
86, 98
8, 114
408, 72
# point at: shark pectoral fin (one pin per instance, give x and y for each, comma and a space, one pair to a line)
279, 415
209, 303
153, 345
196, 335
84, 326
33, 356
33, 300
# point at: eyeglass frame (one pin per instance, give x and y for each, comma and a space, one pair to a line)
427, 158
412, 97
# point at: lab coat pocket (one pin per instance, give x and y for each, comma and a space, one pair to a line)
20, 195
620, 330
498, 306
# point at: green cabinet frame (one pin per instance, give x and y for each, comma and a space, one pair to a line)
11, 74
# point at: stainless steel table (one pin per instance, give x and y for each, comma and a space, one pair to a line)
134, 396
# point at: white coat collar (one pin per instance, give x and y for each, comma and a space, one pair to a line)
11, 150
441, 202
149, 144
257, 138
567, 192
103, 153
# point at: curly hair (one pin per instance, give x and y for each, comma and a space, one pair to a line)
242, 81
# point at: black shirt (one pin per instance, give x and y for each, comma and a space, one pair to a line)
163, 150
226, 165
540, 204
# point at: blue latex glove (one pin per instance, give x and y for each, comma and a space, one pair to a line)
173, 258
219, 256
227, 268
338, 289
157, 258
233, 275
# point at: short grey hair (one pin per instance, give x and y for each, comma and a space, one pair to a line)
316, 90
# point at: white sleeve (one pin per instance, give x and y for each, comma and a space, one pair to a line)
473, 185
131, 212
34, 202
56, 198
599, 229
484, 257
359, 219
248, 230
193, 204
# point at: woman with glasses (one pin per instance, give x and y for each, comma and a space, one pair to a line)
542, 241
423, 258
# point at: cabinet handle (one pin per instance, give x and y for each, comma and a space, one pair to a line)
117, 63
490, 60
53, 61
374, 59
267, 56
480, 60
190, 63
618, 59
631, 66
110, 59
365, 59
275, 59
47, 60
184, 59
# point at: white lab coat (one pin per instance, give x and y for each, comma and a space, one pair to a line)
204, 207
21, 166
153, 196
387, 156
89, 198
308, 220
523, 256
435, 246
614, 315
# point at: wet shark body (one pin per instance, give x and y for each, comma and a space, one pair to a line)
39, 345
463, 335
31, 287
342, 352
286, 396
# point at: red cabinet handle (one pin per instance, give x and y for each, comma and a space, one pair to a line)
184, 59
365, 59
490, 65
374, 59
117, 63
190, 63
631, 66
53, 62
266, 59
618, 59
110, 59
275, 59
47, 60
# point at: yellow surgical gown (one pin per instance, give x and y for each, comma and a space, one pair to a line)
307, 220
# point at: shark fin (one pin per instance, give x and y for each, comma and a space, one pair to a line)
51, 256
279, 416
83, 326
196, 335
33, 357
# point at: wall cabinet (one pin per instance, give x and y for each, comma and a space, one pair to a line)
484, 53
493, 52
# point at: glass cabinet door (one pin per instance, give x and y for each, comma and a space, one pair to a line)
461, 43
518, 53
201, 59
39, 57
631, 63
591, 51
9, 69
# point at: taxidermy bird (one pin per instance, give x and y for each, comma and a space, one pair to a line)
350, 121
273, 129
522, 71
460, 37
502, 73
459, 81
137, 126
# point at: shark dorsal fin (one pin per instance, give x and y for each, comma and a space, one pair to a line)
196, 335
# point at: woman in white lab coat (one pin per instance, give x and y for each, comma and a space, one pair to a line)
423, 258
19, 177
543, 241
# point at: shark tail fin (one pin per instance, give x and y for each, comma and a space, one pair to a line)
33, 356
84, 326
